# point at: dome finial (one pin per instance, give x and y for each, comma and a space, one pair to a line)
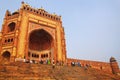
22, 2
42, 8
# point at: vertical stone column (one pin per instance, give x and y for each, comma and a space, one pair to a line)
114, 66
63, 46
14, 52
59, 47
22, 36
54, 50
12, 58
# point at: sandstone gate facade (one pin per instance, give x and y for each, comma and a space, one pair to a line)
35, 34
32, 34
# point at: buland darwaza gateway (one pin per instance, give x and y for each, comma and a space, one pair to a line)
35, 34
32, 34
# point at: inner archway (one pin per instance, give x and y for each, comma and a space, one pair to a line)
40, 43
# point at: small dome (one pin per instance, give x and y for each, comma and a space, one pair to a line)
16, 12
22, 2
112, 59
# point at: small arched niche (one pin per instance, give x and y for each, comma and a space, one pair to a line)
11, 26
6, 56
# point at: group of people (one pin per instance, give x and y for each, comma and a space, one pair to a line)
45, 61
76, 64
48, 62
42, 62
80, 65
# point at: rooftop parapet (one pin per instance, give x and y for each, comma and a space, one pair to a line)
28, 8
40, 12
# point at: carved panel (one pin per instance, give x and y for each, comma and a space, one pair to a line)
34, 26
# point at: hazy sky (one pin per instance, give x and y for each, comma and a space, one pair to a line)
92, 27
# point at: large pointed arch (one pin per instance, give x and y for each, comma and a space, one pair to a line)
40, 44
40, 40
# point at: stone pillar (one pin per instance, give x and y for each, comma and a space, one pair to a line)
22, 36
114, 65
63, 46
59, 47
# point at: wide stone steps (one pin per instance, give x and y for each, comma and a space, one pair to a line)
27, 71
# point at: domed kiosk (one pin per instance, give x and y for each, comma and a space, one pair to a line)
114, 65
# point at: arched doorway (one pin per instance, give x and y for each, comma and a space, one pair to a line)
5, 57
40, 45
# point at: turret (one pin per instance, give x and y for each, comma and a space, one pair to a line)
114, 65
7, 13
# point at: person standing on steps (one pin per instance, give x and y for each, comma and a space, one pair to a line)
48, 61
53, 64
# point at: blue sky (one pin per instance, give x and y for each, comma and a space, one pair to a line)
92, 27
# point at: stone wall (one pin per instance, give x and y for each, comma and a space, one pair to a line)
94, 64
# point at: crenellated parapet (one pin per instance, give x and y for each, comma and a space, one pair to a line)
40, 12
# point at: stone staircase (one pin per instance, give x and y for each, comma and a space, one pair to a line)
27, 71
